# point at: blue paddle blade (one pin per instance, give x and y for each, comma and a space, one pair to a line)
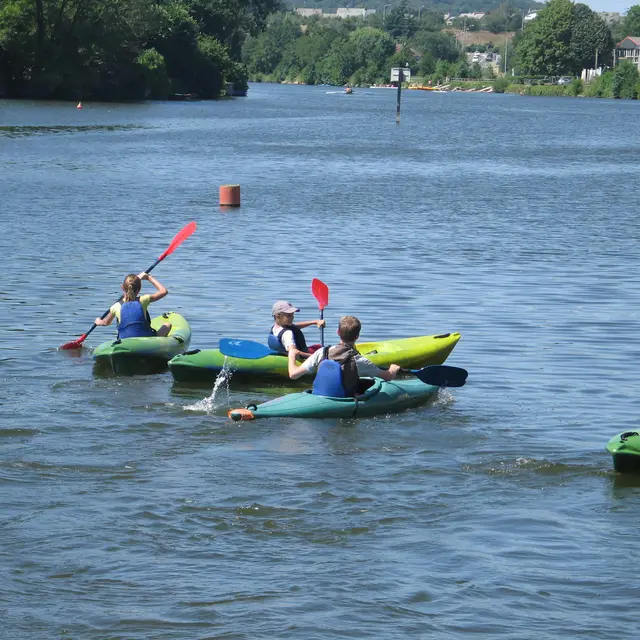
246, 349
442, 375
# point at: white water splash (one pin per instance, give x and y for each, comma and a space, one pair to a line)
444, 398
221, 385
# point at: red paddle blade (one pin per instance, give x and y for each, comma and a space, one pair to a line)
75, 344
320, 293
179, 239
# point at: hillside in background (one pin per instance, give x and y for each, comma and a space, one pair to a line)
445, 6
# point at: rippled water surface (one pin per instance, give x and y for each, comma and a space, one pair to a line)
133, 508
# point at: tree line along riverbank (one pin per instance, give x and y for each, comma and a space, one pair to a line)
564, 39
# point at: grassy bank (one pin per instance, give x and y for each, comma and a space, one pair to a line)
622, 82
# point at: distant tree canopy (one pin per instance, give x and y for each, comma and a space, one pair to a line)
629, 25
564, 38
124, 49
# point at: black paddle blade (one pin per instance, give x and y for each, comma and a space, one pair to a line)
442, 375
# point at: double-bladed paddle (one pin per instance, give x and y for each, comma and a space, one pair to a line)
245, 349
180, 237
321, 294
438, 375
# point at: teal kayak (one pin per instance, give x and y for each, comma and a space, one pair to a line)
625, 450
381, 397
141, 356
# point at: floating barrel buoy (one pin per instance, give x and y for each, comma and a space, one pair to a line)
230, 195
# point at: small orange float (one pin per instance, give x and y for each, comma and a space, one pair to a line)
230, 195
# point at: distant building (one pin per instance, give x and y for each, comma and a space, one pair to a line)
531, 15
351, 13
340, 13
449, 18
628, 49
610, 17
307, 13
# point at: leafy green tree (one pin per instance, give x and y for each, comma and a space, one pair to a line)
462, 69
507, 17
338, 65
500, 84
431, 20
630, 26
400, 22
442, 71
263, 53
372, 48
545, 47
427, 65
589, 34
476, 71
112, 49
441, 46
153, 74
625, 79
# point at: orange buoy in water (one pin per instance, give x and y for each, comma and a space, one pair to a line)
230, 195
79, 105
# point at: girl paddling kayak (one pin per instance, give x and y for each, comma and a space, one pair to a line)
131, 314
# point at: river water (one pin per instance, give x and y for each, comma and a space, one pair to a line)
133, 508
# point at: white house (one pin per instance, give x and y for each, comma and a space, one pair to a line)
629, 49
351, 13
531, 15
307, 13
473, 16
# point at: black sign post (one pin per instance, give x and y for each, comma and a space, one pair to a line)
400, 79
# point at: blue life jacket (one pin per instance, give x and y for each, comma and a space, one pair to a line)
134, 321
337, 375
274, 342
328, 380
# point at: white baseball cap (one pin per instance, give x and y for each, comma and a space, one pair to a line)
282, 306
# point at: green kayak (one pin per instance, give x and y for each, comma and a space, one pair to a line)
140, 356
203, 366
381, 397
625, 450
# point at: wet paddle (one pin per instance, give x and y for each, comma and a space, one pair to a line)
175, 243
321, 294
245, 349
440, 375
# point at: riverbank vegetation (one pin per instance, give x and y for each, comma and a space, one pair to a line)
124, 49
136, 49
621, 82
565, 38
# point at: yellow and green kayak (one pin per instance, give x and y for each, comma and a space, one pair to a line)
203, 366
140, 356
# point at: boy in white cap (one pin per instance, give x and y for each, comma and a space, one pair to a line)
285, 334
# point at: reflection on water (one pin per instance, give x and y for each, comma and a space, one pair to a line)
30, 130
